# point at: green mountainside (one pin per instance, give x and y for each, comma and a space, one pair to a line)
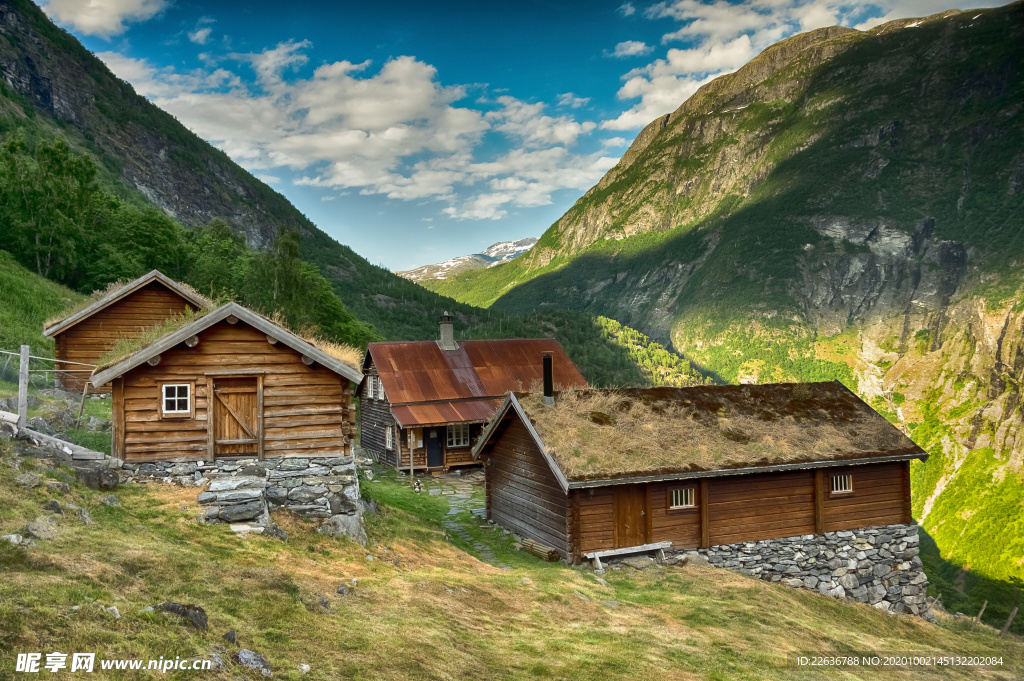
848, 205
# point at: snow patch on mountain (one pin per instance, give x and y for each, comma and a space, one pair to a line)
495, 254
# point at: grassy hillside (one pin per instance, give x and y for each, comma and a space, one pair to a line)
28, 301
425, 607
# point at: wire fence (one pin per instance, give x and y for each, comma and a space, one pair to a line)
42, 371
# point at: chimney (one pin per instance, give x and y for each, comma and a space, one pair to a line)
447, 341
549, 381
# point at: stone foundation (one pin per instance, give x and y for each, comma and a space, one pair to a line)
318, 487
875, 565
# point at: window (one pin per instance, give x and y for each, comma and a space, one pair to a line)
842, 484
681, 497
380, 389
176, 400
388, 442
458, 435
371, 386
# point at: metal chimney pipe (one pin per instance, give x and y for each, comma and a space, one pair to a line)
549, 381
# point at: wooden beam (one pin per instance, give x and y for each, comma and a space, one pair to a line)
705, 531
819, 501
192, 342
271, 339
210, 411
23, 388
980, 613
118, 434
1006, 627
231, 319
259, 417
238, 417
153, 361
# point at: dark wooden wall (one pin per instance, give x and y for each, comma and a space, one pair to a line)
89, 339
374, 417
307, 410
523, 494
881, 496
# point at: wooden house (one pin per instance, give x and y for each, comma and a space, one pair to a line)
88, 334
614, 470
231, 384
423, 403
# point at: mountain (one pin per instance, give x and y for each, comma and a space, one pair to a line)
52, 87
845, 206
495, 254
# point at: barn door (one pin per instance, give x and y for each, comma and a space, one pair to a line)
236, 422
629, 510
435, 456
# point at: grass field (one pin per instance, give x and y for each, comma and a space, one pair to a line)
424, 607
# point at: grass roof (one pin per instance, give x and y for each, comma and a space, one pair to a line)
109, 290
594, 434
124, 347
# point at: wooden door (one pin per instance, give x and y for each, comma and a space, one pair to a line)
629, 512
435, 455
236, 421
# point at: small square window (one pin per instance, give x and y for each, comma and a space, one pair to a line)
177, 399
458, 435
682, 497
842, 484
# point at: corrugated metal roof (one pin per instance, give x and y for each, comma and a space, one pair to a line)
440, 413
420, 371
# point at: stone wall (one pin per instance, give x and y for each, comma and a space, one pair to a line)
247, 489
875, 565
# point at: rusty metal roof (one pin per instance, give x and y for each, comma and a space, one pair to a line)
441, 413
420, 371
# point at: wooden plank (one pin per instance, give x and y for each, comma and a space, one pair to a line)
119, 425
260, 432
210, 421
241, 421
705, 532
656, 546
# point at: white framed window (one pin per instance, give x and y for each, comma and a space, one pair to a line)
682, 497
371, 386
380, 389
176, 400
389, 442
458, 435
842, 484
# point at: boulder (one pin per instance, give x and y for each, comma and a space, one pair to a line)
274, 530
638, 562
248, 658
99, 478
193, 613
348, 526
342, 504
53, 507
110, 500
246, 511
58, 487
238, 482
306, 494
29, 480
277, 495
43, 527
38, 424
234, 496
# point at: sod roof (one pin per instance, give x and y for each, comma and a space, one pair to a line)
603, 434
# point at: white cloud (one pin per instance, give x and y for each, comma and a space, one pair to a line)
394, 130
612, 142
631, 48
202, 32
104, 18
627, 9
721, 36
572, 101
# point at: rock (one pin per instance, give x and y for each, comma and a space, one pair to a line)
231, 637
368, 474
341, 504
349, 526
343, 590
694, 559
368, 507
83, 515
248, 658
99, 478
253, 471
193, 613
306, 494
43, 527
247, 511
227, 484
638, 562
274, 530
13, 538
216, 662
29, 480
58, 487
849, 581
110, 500
582, 597
277, 495
97, 425
53, 507
235, 496
113, 611
39, 425
304, 668
838, 592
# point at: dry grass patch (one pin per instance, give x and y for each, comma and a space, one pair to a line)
609, 433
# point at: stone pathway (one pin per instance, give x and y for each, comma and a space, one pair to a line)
463, 498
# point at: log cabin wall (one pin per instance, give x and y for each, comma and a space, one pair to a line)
375, 416
880, 496
760, 506
307, 410
523, 494
91, 338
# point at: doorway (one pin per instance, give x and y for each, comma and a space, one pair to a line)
435, 455
236, 422
629, 510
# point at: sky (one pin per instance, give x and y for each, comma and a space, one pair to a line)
415, 132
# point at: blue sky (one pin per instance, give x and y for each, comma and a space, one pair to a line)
415, 132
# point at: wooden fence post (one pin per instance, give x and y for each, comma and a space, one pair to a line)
1006, 627
23, 389
980, 613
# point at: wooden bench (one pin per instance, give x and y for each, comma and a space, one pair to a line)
596, 556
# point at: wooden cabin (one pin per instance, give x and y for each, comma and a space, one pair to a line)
602, 470
231, 385
88, 334
427, 401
